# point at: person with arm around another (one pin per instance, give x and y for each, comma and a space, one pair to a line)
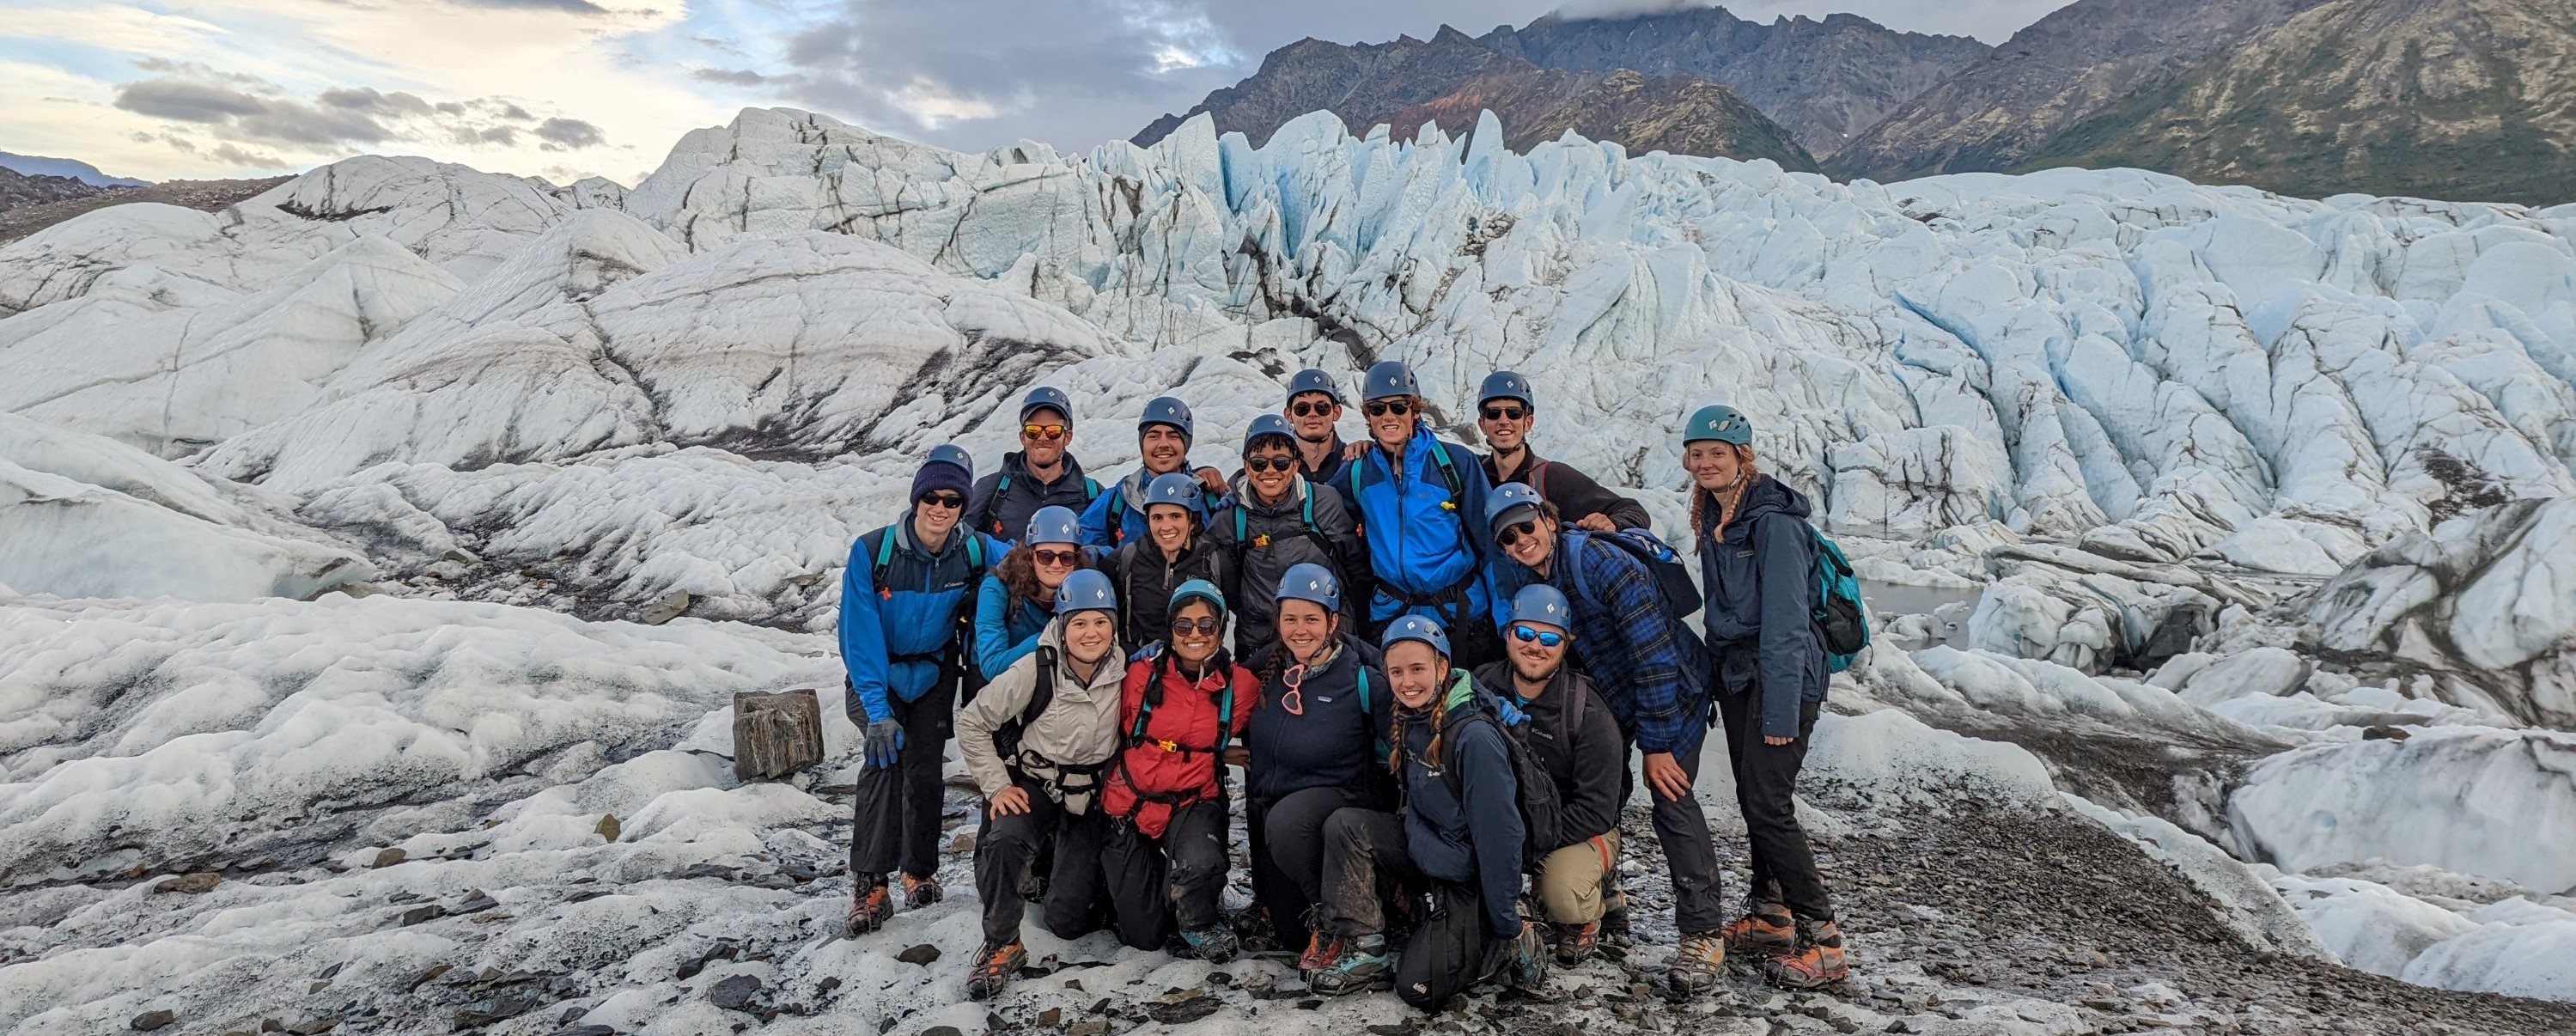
1557, 715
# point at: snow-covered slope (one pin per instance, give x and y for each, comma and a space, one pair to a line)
2096, 438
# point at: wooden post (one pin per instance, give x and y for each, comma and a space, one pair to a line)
775, 735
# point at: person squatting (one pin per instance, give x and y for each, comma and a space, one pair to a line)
1441, 675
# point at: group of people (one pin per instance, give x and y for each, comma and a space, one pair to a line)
1433, 667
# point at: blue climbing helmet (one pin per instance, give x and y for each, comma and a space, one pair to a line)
1054, 525
1389, 378
1308, 581
1171, 411
1415, 627
1268, 426
1506, 385
1179, 489
1086, 590
1718, 423
1047, 397
1313, 379
1539, 602
950, 453
1502, 505
1198, 590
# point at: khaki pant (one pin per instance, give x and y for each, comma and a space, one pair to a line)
1572, 880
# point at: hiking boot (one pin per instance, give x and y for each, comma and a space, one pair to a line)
1524, 967
919, 892
870, 906
1361, 966
1321, 951
1699, 964
1252, 930
1575, 942
994, 966
1213, 945
1817, 961
1765, 931
1616, 939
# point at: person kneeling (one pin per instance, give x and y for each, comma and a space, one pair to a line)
1458, 838
1036, 741
1556, 718
1183, 708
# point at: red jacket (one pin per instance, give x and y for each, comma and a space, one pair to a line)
1175, 764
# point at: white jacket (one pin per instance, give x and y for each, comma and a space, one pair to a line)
1079, 728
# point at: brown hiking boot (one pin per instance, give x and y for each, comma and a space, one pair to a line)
919, 892
870, 906
1699, 964
1765, 931
1575, 942
1817, 961
994, 966
1321, 951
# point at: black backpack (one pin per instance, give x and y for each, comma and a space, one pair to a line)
1541, 812
957, 656
1006, 738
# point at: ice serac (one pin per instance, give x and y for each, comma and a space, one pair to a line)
2498, 803
72, 539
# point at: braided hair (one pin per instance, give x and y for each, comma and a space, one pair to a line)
1439, 721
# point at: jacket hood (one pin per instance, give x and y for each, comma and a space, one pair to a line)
1766, 495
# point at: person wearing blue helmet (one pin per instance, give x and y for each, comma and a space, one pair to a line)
1275, 520
1458, 838
1175, 549
1018, 599
1163, 438
1505, 410
1184, 715
1557, 715
1038, 742
1419, 499
1318, 742
1314, 410
1042, 474
906, 594
1758, 566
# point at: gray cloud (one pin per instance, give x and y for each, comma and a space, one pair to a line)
570, 133
367, 99
232, 155
253, 112
566, 6
187, 101
729, 76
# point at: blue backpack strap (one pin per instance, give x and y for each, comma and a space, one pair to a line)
1224, 722
1118, 519
885, 559
1242, 528
1573, 560
1090, 489
1448, 471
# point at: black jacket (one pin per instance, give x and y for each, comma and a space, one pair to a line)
1470, 835
1333, 740
1586, 757
1145, 579
1574, 493
1275, 538
1002, 510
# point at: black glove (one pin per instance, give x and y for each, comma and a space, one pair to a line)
884, 744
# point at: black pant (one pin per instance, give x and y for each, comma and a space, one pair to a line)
1690, 853
1766, 783
1178, 879
1288, 855
1003, 847
1365, 863
895, 817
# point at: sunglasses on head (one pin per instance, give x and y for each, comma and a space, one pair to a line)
1526, 634
1041, 431
1311, 408
1054, 557
1505, 413
1269, 463
1185, 627
1511, 534
1383, 407
950, 501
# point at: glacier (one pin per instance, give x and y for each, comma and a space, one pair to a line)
409, 512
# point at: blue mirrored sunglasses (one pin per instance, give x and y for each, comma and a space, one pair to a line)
1544, 639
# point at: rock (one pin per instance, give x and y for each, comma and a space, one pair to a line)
1185, 1011
478, 902
735, 993
941, 1030
498, 1008
389, 857
2383, 732
315, 1027
775, 735
1094, 1027
608, 827
584, 1030
422, 914
962, 844
921, 954
424, 978
665, 608
1052, 1017
150, 1020
192, 884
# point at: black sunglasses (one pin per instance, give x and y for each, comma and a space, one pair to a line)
1184, 627
1505, 413
1269, 463
1383, 407
1512, 533
1312, 409
950, 501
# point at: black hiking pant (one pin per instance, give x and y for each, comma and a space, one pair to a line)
1365, 864
1178, 880
895, 815
1681, 827
1288, 855
1766, 783
1003, 848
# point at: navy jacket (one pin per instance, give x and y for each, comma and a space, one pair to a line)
895, 638
1760, 578
1334, 742
1474, 840
1650, 673
1275, 539
1423, 541
1004, 500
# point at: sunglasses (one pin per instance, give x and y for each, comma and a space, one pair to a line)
1512, 533
950, 501
1185, 627
1294, 702
1054, 557
1041, 431
1505, 413
1269, 463
1382, 408
1312, 409
1525, 634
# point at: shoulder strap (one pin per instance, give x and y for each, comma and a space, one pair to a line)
1090, 489
1364, 695
885, 557
1002, 488
974, 552
1044, 696
1448, 471
1225, 720
1573, 562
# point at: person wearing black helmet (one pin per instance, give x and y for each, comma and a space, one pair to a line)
1317, 742
1042, 474
1273, 521
1174, 550
1505, 410
1163, 438
1313, 409
1418, 498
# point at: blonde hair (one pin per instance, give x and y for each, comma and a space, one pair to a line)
1714, 525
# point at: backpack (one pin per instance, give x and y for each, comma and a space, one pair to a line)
1006, 738
971, 678
1541, 811
1841, 617
1306, 516
1681, 596
1439, 458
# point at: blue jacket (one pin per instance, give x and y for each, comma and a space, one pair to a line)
1760, 578
1004, 500
1424, 542
1641, 657
1125, 497
894, 638
1475, 840
1333, 741
1004, 633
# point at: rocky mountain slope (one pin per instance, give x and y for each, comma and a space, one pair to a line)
39, 165
203, 195
1684, 115
2438, 98
2223, 669
20, 191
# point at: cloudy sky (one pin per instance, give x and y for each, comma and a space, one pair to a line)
194, 89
